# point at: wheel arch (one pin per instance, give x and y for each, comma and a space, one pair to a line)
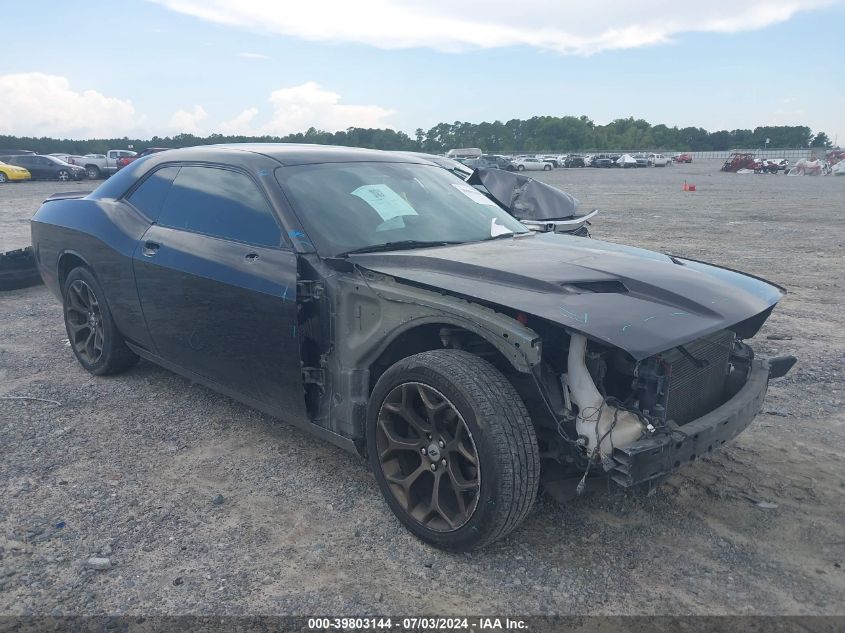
428, 333
68, 260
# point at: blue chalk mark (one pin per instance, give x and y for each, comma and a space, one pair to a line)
285, 294
626, 326
264, 172
572, 315
293, 331
649, 318
296, 234
680, 314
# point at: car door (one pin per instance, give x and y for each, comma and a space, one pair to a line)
217, 286
29, 163
46, 167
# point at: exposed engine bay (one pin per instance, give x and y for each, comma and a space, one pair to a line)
616, 401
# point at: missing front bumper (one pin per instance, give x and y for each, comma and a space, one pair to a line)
653, 457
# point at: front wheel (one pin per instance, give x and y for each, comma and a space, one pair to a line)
97, 344
452, 448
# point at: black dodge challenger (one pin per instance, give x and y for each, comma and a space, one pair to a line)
388, 306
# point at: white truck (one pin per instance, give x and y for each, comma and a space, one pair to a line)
100, 165
464, 152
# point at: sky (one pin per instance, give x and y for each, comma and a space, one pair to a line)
139, 68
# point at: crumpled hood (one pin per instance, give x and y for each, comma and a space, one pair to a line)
638, 300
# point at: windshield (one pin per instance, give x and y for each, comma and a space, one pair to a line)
348, 206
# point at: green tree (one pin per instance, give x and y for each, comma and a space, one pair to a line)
821, 140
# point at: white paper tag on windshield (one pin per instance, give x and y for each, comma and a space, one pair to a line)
472, 193
387, 203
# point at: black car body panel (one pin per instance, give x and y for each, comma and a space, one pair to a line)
526, 198
646, 302
304, 336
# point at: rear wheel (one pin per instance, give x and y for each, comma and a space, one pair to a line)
93, 336
547, 167
3, 178
93, 172
453, 449
63, 175
521, 167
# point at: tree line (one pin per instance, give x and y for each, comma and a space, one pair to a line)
539, 133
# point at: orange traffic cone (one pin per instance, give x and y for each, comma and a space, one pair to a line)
687, 187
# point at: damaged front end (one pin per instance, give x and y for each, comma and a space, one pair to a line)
638, 420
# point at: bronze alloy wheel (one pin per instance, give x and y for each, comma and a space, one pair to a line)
84, 321
428, 457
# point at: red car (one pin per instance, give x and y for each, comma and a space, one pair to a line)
684, 157
123, 161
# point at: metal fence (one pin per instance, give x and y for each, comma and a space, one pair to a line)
791, 153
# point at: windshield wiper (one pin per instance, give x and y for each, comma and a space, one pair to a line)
396, 246
502, 236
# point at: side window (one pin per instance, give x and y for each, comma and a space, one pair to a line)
221, 203
150, 194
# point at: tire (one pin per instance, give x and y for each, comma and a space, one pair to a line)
481, 415
3, 178
520, 167
63, 175
547, 167
18, 269
93, 172
89, 319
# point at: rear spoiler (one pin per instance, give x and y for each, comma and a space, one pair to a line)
67, 195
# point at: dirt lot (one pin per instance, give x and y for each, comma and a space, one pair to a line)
128, 467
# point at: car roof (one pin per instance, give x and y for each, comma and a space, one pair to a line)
293, 153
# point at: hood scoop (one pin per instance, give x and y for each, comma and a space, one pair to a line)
606, 287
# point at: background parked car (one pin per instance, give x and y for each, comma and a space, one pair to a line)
660, 160
604, 160
684, 157
626, 160
123, 161
101, 165
642, 159
575, 160
529, 163
499, 162
554, 160
46, 167
13, 173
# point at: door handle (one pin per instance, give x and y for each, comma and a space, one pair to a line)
251, 258
150, 248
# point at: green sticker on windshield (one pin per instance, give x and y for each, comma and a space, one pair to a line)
387, 203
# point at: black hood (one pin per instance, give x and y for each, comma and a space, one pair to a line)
640, 301
526, 198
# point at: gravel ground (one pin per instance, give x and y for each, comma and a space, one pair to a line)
204, 506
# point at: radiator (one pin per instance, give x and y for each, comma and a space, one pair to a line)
693, 390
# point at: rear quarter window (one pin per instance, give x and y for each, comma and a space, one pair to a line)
149, 196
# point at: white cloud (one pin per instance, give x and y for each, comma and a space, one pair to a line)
252, 56
241, 124
189, 121
581, 27
309, 105
38, 104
